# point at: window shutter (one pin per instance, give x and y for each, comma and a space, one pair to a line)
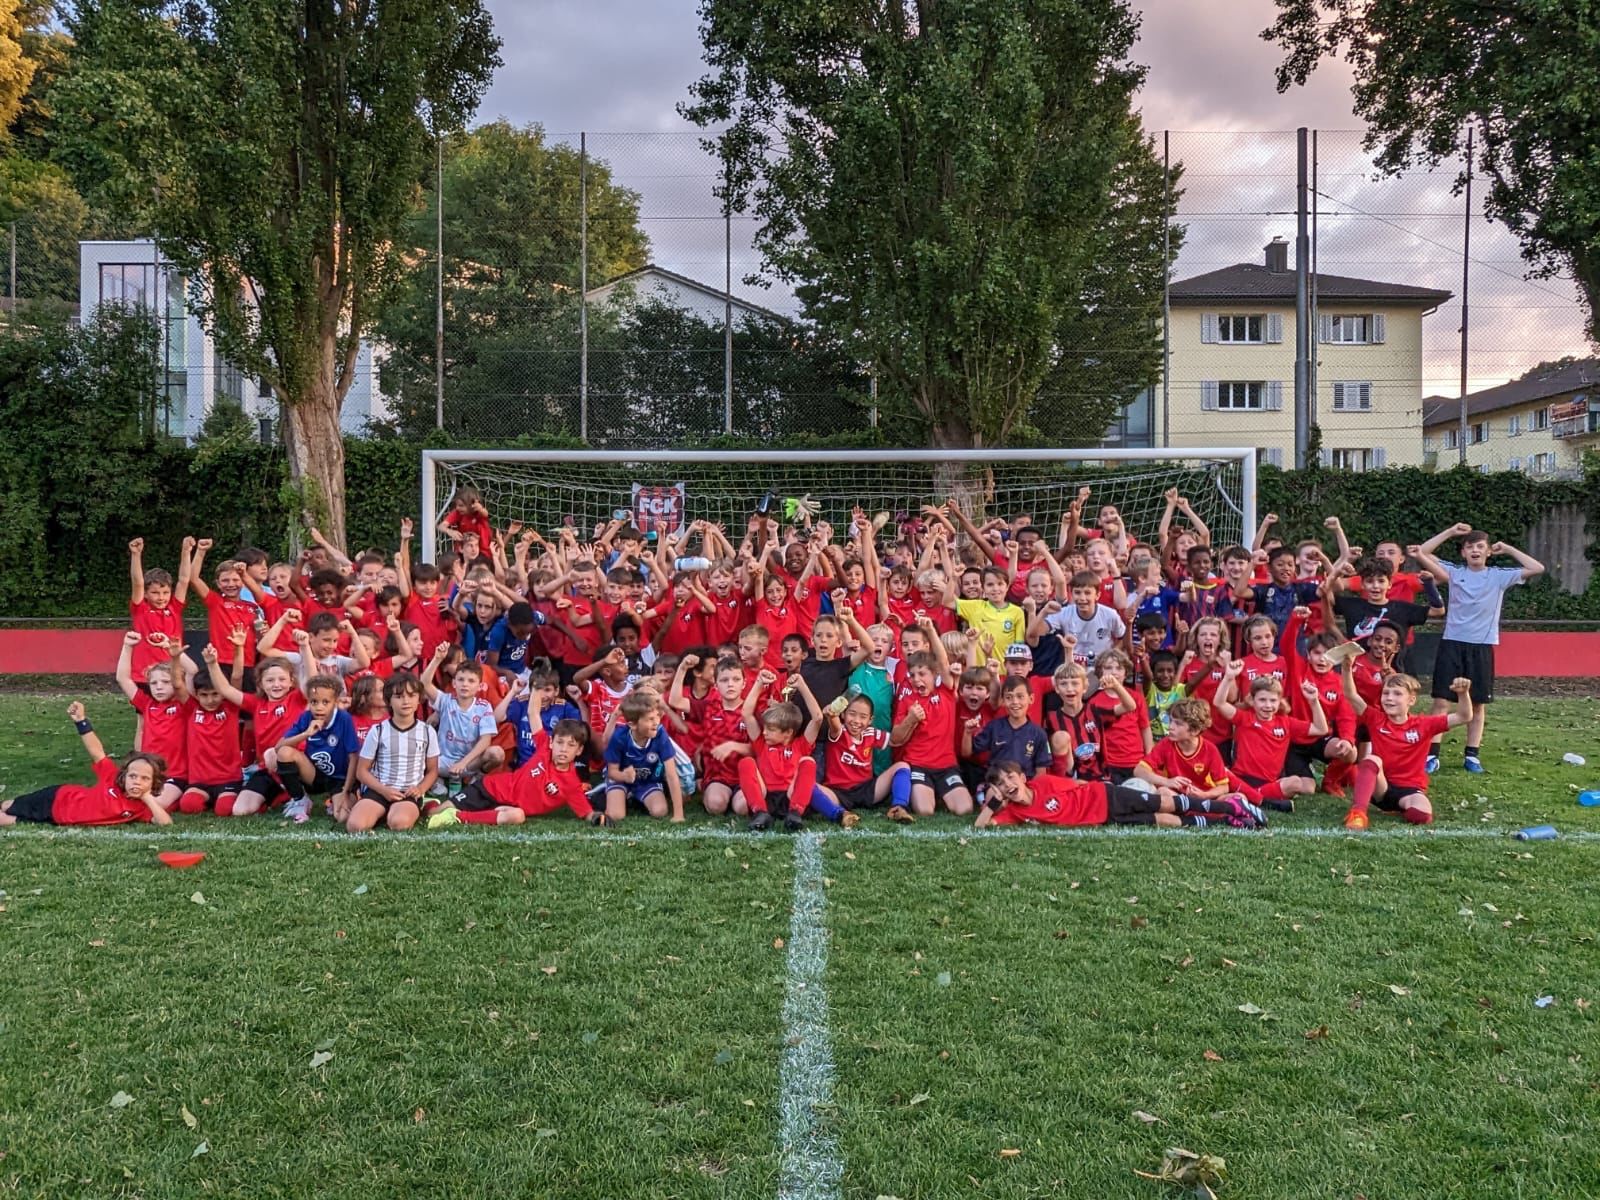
1208, 395
1324, 457
1274, 327
1376, 328
1325, 328
1365, 398
1274, 397
1274, 456
1380, 458
1516, 464
1208, 328
1338, 397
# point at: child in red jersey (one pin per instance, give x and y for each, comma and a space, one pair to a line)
1072, 726
1263, 732
211, 743
1204, 665
1393, 773
781, 771
847, 769
1014, 799
225, 610
924, 731
156, 607
278, 702
427, 597
724, 738
1123, 718
1186, 760
1261, 660
367, 705
163, 707
1370, 669
1337, 748
117, 796
466, 519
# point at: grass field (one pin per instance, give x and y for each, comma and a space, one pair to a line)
566, 1012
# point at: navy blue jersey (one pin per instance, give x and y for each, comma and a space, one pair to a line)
330, 748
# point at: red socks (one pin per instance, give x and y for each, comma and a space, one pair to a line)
755, 791
805, 782
1417, 816
1366, 774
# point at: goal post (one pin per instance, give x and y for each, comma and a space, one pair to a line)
661, 489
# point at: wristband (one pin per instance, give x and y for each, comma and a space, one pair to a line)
83, 726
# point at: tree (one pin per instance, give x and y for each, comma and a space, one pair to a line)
1521, 75
943, 183
16, 68
275, 150
51, 219
512, 241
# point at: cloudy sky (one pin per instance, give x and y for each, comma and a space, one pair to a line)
617, 68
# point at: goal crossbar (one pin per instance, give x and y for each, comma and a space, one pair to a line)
435, 461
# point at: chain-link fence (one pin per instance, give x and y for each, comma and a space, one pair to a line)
594, 285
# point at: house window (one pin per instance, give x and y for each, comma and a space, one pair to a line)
1349, 330
1477, 433
1271, 456
1354, 459
1542, 464
1516, 464
1539, 420
1241, 395
1350, 395
133, 284
1451, 439
1240, 329
1514, 426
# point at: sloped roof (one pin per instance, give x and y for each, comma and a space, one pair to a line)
1545, 381
1255, 281
710, 291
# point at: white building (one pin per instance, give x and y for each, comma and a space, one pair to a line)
194, 376
651, 282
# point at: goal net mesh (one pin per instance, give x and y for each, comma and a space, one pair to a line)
547, 492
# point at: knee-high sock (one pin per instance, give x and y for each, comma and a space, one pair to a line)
751, 784
1417, 816
824, 805
802, 786
1366, 774
900, 789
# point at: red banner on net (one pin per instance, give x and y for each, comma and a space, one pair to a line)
658, 509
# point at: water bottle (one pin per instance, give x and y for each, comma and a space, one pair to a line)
1590, 799
854, 690
1573, 760
695, 563
1537, 833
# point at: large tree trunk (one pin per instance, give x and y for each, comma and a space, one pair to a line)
316, 452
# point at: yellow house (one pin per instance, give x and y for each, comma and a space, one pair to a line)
1540, 422
1232, 376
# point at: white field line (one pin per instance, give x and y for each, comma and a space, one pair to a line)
263, 830
810, 1167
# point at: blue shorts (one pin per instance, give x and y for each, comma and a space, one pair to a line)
636, 791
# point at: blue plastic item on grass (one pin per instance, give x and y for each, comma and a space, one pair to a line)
1590, 799
1537, 833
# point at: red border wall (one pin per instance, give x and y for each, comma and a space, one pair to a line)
94, 652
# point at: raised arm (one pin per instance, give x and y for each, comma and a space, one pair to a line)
402, 558
1347, 677
136, 570
1424, 554
91, 739
338, 556
130, 640
1531, 566
197, 578
1462, 715
1267, 522
1200, 530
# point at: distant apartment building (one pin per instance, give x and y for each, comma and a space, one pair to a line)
1540, 422
194, 377
1232, 339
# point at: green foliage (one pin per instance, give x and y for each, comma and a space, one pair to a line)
276, 152
51, 218
960, 193
1524, 76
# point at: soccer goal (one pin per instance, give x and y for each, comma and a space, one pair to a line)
660, 490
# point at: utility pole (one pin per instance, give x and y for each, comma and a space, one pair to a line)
1302, 308
727, 305
438, 300
1466, 258
1166, 287
583, 287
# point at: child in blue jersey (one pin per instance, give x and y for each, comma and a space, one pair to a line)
508, 647
640, 762
317, 755
544, 685
465, 722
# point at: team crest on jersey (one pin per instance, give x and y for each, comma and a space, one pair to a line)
1052, 805
1413, 737
550, 789
1278, 731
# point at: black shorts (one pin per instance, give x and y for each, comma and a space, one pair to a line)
862, 795
265, 784
1116, 775
1468, 659
943, 780
323, 784
172, 781
1302, 754
972, 775
1130, 806
474, 799
369, 794
216, 791
38, 807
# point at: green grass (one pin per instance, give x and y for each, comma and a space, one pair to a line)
1005, 991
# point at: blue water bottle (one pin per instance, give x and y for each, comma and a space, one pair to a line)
1590, 799
1537, 833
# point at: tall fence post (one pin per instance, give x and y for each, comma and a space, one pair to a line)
583, 286
438, 300
727, 305
1466, 259
1302, 307
1166, 287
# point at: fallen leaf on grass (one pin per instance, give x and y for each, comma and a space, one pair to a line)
919, 1098
777, 943
1011, 1154
121, 1100
1398, 990
202, 1148
1147, 1118
189, 1119
942, 979
418, 1117
197, 898
98, 943
1197, 1172
1211, 1056
1139, 922
748, 1103
1544, 1001
722, 1057
360, 891
1251, 1010
321, 1059
549, 970
590, 1037
1311, 1035
1229, 963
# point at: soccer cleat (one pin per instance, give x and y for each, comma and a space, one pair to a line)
1357, 819
598, 817
849, 820
298, 811
1472, 765
444, 815
759, 822
1250, 810
1432, 764
793, 823
1244, 822
1332, 789
900, 815
1284, 806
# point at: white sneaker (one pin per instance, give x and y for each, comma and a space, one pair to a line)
298, 811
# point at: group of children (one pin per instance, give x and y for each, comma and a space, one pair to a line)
934, 662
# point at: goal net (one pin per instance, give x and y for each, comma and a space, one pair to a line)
662, 490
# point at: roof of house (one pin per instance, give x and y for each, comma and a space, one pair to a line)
1543, 382
711, 291
1255, 281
